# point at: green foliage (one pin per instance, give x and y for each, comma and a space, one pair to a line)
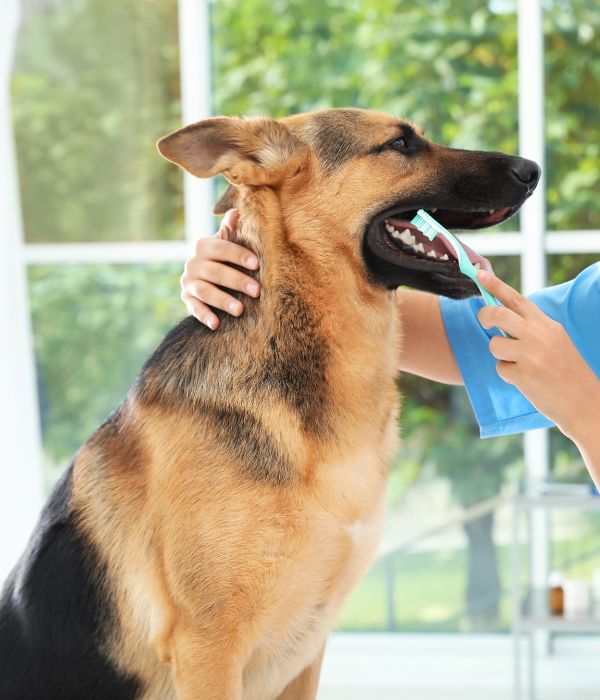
439, 430
573, 128
93, 329
95, 83
455, 72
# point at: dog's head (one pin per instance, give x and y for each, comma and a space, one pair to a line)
363, 175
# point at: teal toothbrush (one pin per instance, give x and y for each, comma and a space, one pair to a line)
428, 226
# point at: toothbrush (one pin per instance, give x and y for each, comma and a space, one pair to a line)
428, 226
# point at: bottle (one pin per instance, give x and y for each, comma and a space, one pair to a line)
596, 592
556, 598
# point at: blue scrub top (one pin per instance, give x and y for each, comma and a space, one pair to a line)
500, 408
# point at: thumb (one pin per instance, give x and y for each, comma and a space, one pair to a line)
229, 224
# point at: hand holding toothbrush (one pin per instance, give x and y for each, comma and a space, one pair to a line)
541, 360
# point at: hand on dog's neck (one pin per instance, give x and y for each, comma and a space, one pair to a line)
292, 247
297, 255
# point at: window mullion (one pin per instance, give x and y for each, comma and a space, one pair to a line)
533, 260
195, 72
20, 442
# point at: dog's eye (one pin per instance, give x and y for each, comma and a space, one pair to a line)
399, 144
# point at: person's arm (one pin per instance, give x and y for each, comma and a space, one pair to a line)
541, 360
425, 349
588, 444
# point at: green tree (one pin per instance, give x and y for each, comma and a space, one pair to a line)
95, 85
94, 327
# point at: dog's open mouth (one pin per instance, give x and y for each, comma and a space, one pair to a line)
405, 238
397, 253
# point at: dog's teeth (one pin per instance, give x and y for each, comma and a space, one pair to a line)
395, 233
433, 210
477, 266
444, 257
432, 254
389, 228
419, 248
491, 211
407, 237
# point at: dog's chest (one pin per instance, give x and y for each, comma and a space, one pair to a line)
339, 542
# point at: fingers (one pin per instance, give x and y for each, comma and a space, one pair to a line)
208, 273
506, 294
502, 317
506, 349
213, 296
228, 225
225, 252
231, 219
202, 289
506, 370
201, 312
209, 269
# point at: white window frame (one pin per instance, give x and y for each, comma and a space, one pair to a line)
20, 461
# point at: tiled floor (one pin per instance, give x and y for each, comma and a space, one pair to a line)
361, 667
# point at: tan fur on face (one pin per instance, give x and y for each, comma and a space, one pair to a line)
237, 495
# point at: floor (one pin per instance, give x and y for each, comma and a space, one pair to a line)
386, 667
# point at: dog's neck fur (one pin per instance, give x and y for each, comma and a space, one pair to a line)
283, 348
302, 253
315, 289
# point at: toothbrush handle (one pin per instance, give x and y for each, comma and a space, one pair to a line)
491, 300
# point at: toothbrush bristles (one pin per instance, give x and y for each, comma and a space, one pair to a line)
425, 227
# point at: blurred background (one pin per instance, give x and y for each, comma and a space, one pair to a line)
96, 227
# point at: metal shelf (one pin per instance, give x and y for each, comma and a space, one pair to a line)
534, 614
559, 624
556, 501
531, 614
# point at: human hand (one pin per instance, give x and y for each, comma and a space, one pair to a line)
210, 267
541, 360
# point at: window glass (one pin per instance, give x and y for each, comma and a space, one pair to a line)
94, 326
95, 84
572, 126
452, 70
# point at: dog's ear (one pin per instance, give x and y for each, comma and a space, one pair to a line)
257, 151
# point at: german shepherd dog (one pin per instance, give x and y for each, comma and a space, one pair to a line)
203, 540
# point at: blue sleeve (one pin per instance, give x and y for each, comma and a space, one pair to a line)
499, 407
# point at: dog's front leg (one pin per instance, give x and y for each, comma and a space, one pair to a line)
305, 686
204, 669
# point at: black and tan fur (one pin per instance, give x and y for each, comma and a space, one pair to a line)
203, 540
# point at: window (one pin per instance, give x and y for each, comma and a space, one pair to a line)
106, 224
95, 83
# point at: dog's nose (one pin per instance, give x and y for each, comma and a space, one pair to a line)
526, 171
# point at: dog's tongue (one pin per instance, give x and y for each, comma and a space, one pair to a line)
439, 244
474, 257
